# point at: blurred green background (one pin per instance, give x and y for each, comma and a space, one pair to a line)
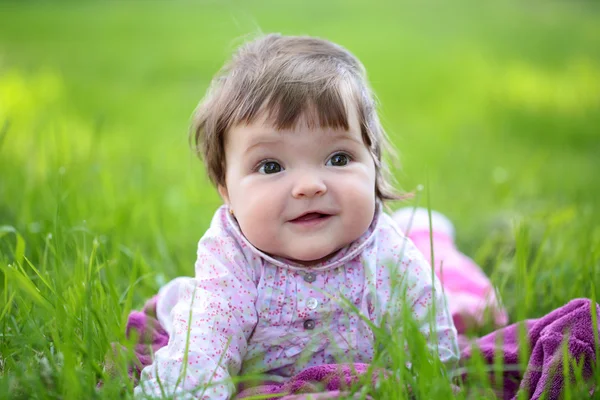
494, 108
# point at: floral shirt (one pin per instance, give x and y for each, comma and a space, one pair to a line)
245, 312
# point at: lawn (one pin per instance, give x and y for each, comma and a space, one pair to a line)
494, 108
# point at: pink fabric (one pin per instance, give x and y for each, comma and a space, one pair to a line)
152, 335
542, 376
329, 381
248, 313
469, 291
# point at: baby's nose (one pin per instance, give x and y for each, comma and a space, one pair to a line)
309, 185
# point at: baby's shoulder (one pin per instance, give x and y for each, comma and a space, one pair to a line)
223, 229
223, 238
391, 245
388, 233
224, 245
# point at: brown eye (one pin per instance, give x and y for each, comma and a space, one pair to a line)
338, 160
270, 167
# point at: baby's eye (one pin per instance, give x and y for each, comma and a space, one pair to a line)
338, 160
270, 167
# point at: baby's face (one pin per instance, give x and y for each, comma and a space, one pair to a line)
301, 194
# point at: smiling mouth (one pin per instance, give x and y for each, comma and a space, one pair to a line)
311, 217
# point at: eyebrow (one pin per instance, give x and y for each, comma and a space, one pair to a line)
269, 139
262, 141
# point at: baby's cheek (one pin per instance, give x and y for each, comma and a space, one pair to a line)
258, 229
361, 199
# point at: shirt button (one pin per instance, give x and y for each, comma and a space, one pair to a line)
310, 277
312, 303
309, 324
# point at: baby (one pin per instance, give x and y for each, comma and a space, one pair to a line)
290, 137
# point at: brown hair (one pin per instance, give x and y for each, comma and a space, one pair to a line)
289, 77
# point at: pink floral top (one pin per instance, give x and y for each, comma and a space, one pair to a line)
246, 312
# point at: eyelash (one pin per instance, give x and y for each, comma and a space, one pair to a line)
260, 164
341, 153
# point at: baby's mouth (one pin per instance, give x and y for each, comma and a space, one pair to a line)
312, 216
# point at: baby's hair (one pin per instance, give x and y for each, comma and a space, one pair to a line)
286, 78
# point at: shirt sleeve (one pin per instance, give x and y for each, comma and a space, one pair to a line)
209, 324
429, 306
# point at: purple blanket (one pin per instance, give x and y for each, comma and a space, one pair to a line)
571, 324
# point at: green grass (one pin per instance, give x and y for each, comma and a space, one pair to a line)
494, 108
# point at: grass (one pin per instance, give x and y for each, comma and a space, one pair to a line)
494, 109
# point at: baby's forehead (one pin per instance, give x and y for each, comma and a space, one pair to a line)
262, 133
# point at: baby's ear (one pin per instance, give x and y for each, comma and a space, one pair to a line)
224, 193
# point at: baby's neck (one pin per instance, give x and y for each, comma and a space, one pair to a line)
311, 263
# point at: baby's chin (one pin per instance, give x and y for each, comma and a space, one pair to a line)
304, 255
309, 258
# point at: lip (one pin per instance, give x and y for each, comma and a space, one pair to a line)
311, 218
